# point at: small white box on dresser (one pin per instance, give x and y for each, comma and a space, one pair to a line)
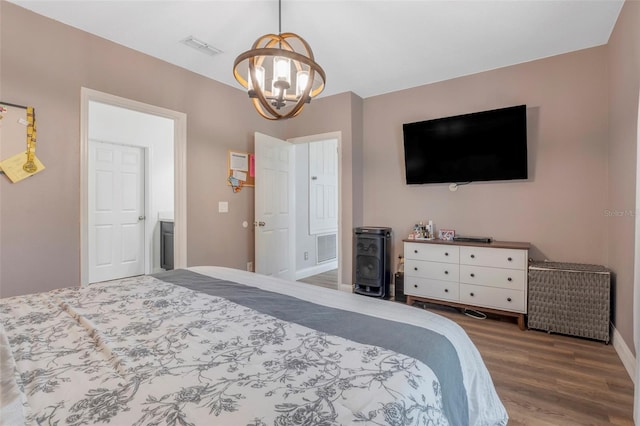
489, 276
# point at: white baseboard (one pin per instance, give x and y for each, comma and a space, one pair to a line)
346, 287
317, 269
625, 354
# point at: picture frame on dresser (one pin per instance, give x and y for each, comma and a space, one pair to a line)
446, 234
488, 277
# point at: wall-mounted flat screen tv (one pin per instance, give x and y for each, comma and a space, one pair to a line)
483, 146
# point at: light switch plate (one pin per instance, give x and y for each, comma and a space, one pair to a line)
223, 206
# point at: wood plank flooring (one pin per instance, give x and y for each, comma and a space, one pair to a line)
549, 379
326, 279
546, 379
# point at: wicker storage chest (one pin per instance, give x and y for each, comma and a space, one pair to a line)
570, 298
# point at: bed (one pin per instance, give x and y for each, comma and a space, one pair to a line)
211, 345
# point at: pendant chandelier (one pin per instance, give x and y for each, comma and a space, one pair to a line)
269, 67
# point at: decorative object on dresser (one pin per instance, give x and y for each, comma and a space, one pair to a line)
570, 298
489, 277
447, 234
372, 261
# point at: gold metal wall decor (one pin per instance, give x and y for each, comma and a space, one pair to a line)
275, 59
16, 122
30, 166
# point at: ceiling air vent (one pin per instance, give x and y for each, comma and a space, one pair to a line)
201, 46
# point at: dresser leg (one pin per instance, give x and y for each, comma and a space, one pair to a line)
521, 321
409, 300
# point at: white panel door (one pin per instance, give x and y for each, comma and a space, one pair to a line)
274, 231
116, 211
323, 187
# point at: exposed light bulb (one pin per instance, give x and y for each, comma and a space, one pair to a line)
259, 77
275, 91
282, 69
302, 78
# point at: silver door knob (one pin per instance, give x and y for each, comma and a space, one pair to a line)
142, 217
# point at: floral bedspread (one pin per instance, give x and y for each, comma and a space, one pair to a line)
142, 351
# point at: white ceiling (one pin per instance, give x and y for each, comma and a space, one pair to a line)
368, 47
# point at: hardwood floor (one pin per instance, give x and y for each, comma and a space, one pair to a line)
326, 279
546, 379
550, 379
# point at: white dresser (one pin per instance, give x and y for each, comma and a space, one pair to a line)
491, 277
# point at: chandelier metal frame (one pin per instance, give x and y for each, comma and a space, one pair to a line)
277, 105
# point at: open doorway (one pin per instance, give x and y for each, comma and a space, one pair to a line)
115, 132
286, 244
317, 193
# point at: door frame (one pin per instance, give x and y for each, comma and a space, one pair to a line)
320, 137
636, 279
180, 173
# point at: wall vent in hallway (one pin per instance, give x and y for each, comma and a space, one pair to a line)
326, 247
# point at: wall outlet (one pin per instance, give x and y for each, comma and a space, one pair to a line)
250, 266
306, 255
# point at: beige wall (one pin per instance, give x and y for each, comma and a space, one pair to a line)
341, 113
624, 86
39, 218
44, 64
559, 209
582, 111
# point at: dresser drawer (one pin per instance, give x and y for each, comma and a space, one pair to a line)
432, 289
495, 257
432, 252
492, 297
493, 277
432, 270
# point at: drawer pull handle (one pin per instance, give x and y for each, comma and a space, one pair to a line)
415, 251
509, 259
471, 294
446, 272
415, 285
473, 275
446, 290
509, 279
508, 299
415, 268
473, 256
446, 253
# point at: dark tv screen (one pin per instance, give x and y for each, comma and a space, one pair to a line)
483, 146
